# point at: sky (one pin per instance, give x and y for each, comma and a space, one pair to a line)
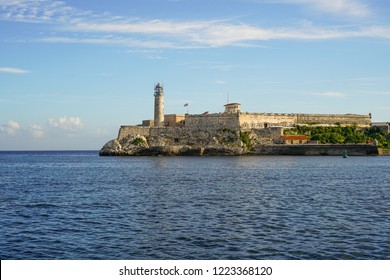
72, 72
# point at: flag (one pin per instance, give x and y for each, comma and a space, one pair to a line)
186, 105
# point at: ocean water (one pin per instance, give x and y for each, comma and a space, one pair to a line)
77, 205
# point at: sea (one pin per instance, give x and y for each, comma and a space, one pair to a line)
76, 205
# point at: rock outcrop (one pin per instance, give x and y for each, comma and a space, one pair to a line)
222, 143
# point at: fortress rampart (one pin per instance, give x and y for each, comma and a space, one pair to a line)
332, 119
244, 122
250, 121
212, 122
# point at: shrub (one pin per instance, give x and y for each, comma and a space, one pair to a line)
138, 142
244, 137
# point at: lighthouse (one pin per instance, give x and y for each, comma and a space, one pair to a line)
158, 105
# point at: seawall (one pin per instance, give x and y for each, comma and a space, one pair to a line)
317, 150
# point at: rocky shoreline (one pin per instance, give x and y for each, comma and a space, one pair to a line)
138, 146
114, 148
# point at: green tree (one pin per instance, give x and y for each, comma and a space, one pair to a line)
341, 134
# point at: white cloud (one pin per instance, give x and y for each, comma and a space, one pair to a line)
344, 7
211, 34
230, 35
143, 26
39, 11
37, 131
69, 124
57, 133
10, 128
331, 94
13, 70
106, 29
353, 8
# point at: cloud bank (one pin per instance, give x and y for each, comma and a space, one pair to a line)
9, 128
107, 29
55, 126
59, 133
69, 124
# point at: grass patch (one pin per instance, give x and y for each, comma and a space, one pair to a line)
244, 137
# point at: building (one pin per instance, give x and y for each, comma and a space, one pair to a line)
232, 108
383, 126
175, 120
294, 139
233, 118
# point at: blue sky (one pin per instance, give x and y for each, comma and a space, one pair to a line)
72, 72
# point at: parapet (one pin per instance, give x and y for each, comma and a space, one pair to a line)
333, 119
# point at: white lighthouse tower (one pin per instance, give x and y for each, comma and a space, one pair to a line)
158, 105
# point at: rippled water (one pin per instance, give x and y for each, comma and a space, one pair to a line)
77, 205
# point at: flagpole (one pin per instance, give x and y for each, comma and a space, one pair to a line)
188, 107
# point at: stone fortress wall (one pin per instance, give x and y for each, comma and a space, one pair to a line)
245, 122
332, 119
250, 121
232, 132
212, 122
207, 128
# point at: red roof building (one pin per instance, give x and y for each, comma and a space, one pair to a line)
295, 139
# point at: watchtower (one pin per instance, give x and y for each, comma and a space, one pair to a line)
232, 108
159, 105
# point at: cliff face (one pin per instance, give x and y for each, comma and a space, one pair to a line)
176, 141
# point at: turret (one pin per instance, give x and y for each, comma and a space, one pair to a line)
159, 105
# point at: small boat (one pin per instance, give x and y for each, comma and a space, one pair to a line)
345, 154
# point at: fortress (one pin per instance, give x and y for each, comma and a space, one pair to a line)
217, 133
